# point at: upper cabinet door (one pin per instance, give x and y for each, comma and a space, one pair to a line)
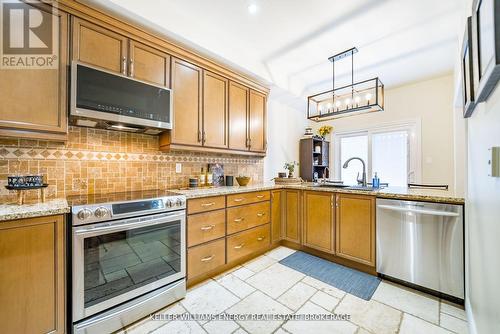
238, 115
98, 46
257, 122
149, 64
186, 86
215, 91
34, 101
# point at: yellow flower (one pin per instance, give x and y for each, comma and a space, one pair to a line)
324, 130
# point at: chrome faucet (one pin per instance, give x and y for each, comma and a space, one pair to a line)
363, 179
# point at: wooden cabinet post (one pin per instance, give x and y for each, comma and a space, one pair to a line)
355, 228
318, 224
276, 214
292, 215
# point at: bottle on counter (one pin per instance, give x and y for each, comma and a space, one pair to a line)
210, 178
203, 178
376, 181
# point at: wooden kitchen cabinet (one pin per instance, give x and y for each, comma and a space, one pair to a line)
34, 101
292, 215
256, 122
355, 228
238, 116
186, 84
318, 224
148, 64
32, 275
98, 46
276, 215
215, 98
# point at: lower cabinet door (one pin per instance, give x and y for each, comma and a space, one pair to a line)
248, 242
32, 276
318, 220
355, 228
206, 257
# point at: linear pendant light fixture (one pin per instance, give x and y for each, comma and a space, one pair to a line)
356, 98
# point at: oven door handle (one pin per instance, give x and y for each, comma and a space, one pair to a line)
128, 224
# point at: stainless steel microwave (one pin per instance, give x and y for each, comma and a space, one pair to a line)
104, 99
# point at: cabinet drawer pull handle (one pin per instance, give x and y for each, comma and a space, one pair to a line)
261, 214
238, 199
239, 220
260, 238
260, 196
208, 258
207, 204
239, 246
124, 66
207, 228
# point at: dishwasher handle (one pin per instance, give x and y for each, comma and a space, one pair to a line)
419, 211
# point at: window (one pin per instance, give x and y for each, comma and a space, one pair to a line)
391, 152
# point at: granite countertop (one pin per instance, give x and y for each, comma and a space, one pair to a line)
61, 206
50, 207
403, 193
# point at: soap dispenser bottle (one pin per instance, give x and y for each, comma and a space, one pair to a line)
375, 181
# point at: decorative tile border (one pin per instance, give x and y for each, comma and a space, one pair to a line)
26, 153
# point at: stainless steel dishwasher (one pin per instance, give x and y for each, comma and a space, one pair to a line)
422, 243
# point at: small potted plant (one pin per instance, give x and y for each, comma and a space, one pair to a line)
290, 167
324, 130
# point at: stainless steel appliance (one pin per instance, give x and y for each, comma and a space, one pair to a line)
112, 101
128, 257
423, 244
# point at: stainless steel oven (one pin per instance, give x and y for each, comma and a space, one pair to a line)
104, 99
126, 252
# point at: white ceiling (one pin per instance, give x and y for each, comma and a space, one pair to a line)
288, 41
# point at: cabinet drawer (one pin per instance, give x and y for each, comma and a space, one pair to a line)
204, 258
244, 217
205, 227
206, 204
247, 198
248, 242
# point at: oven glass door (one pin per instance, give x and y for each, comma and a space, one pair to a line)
115, 262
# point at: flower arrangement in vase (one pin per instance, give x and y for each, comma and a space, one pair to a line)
325, 130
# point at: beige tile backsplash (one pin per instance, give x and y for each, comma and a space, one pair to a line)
101, 161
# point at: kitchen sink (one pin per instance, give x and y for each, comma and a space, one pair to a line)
361, 188
331, 185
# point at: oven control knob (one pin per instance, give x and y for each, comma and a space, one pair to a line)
101, 212
180, 202
84, 214
170, 203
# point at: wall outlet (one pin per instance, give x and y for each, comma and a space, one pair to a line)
178, 168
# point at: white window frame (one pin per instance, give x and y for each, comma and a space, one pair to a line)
413, 127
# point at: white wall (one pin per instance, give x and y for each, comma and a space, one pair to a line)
285, 126
429, 101
483, 215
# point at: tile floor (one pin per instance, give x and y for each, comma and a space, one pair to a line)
264, 286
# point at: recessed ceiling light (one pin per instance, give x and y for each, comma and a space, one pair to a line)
253, 8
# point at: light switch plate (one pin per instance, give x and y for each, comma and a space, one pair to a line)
178, 168
495, 162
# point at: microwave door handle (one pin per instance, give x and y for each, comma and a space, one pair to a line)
419, 211
124, 225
